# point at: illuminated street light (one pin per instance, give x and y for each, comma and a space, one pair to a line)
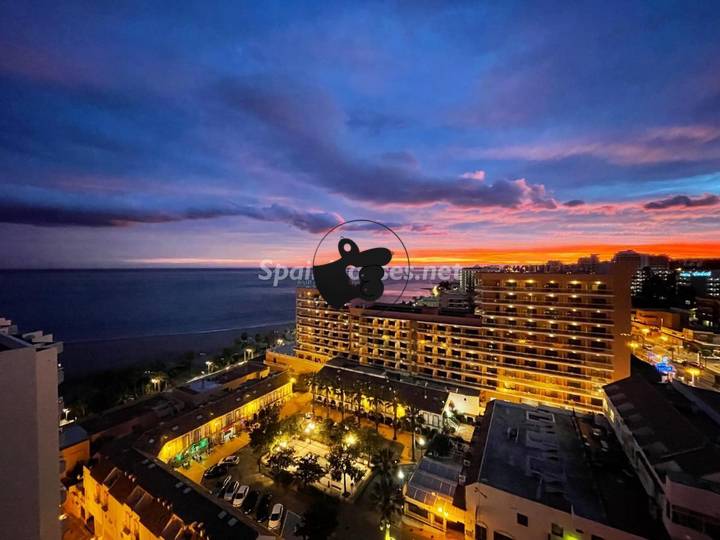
350, 439
66, 411
401, 474
209, 364
421, 441
693, 372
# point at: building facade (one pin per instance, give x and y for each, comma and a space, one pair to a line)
670, 434
537, 338
178, 438
29, 455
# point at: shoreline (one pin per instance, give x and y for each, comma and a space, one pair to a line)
90, 357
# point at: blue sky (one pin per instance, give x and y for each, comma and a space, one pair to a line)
227, 133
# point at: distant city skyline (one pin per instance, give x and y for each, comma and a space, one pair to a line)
484, 133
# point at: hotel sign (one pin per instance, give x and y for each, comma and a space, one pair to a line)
695, 273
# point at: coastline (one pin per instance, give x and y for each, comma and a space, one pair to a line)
88, 357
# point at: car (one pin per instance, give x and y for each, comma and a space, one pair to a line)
240, 496
248, 505
221, 486
230, 460
263, 508
276, 516
231, 490
215, 471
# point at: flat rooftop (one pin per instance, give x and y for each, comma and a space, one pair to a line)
541, 454
159, 404
220, 378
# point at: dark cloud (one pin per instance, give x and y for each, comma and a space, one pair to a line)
683, 201
52, 213
574, 203
291, 120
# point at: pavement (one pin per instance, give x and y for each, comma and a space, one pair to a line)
355, 520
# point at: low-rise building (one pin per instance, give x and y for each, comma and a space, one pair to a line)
128, 495
210, 386
178, 438
531, 473
377, 390
670, 432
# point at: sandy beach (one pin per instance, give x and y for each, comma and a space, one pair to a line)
87, 357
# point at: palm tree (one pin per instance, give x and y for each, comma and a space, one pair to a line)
314, 381
385, 464
340, 391
376, 404
341, 464
387, 499
395, 404
357, 397
414, 419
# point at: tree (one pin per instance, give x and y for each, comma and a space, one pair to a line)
313, 382
357, 397
318, 521
266, 429
281, 459
385, 464
376, 404
309, 470
387, 499
341, 464
414, 419
395, 404
340, 390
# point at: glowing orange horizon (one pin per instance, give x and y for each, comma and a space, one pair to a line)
565, 254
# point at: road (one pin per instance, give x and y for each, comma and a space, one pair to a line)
655, 350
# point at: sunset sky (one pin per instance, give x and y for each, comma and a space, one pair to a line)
227, 133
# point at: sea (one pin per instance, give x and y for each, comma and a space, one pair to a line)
110, 308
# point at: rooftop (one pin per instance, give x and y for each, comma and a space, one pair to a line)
675, 432
128, 473
153, 440
220, 378
548, 455
424, 395
72, 434
158, 404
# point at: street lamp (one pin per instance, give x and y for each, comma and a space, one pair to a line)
693, 372
209, 364
350, 439
66, 411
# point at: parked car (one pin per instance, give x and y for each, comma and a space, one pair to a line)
248, 505
221, 486
230, 460
263, 509
276, 516
231, 490
240, 496
215, 471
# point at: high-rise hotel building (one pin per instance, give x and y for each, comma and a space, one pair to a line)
537, 338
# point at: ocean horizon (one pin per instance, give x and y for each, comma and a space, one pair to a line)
111, 308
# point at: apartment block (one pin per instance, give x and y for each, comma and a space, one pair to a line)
29, 416
538, 338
